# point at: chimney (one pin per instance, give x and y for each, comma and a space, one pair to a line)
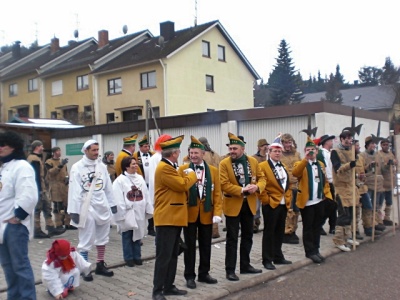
16, 49
103, 38
55, 45
167, 30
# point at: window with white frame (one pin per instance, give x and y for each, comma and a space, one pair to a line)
148, 80
221, 53
114, 86
206, 49
209, 83
82, 82
56, 88
32, 84
13, 89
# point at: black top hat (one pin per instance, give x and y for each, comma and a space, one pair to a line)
325, 138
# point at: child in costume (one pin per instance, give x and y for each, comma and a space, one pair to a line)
62, 268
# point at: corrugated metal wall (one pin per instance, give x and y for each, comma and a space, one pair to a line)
252, 131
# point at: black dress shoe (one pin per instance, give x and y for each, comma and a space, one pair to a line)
138, 262
282, 262
322, 232
174, 291
159, 297
232, 277
130, 263
151, 232
191, 284
88, 277
315, 258
250, 270
101, 269
269, 266
321, 257
207, 279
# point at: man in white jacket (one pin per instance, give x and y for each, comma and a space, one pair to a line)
18, 198
90, 203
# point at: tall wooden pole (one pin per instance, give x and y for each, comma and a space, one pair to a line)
374, 205
353, 157
391, 181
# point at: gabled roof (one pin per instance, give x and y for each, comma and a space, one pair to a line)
8, 58
89, 55
149, 50
32, 62
369, 98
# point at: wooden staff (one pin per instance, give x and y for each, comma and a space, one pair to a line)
398, 199
353, 184
374, 206
391, 181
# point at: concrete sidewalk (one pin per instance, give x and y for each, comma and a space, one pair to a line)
137, 282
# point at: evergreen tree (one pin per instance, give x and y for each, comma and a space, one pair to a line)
369, 76
338, 76
282, 80
333, 93
390, 74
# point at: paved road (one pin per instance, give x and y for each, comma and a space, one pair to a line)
136, 282
371, 272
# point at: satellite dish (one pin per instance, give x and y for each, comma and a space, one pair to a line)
124, 29
161, 41
76, 33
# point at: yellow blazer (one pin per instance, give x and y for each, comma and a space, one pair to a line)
273, 193
170, 200
121, 155
216, 209
232, 191
303, 194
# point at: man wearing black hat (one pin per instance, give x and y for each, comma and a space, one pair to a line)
387, 159
373, 169
330, 207
44, 204
343, 163
57, 179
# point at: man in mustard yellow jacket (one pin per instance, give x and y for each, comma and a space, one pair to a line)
240, 178
275, 200
127, 150
205, 208
313, 189
170, 215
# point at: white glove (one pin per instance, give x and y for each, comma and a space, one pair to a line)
217, 219
188, 170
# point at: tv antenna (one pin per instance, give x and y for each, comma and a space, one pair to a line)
195, 13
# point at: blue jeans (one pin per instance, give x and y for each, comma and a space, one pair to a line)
15, 262
378, 196
366, 202
386, 195
131, 249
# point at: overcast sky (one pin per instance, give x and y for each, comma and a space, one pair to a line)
321, 34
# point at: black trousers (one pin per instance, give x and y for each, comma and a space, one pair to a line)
274, 230
330, 210
204, 233
312, 216
245, 219
167, 250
